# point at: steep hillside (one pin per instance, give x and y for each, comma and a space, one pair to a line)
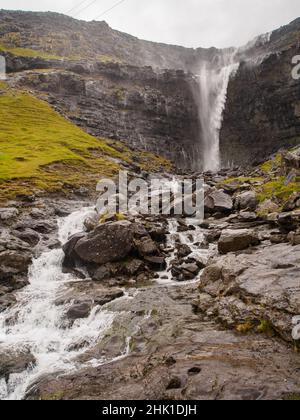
40, 150
62, 36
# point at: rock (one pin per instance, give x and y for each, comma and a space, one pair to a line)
15, 262
278, 238
289, 221
246, 201
102, 273
212, 236
28, 235
294, 238
69, 250
292, 203
158, 233
183, 250
146, 246
107, 243
237, 240
156, 263
133, 267
268, 207
12, 362
91, 221
260, 286
78, 311
6, 214
222, 202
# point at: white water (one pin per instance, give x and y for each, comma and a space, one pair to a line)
213, 83
35, 324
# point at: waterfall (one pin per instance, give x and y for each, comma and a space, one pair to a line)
213, 79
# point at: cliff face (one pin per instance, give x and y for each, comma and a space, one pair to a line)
262, 112
102, 80
144, 109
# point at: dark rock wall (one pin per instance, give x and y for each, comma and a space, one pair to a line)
262, 112
150, 111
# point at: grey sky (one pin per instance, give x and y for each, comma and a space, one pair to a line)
192, 23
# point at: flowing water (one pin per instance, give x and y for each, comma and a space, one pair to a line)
36, 324
213, 82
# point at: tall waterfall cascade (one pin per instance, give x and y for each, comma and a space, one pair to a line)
213, 80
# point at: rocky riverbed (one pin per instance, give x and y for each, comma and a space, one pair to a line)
151, 307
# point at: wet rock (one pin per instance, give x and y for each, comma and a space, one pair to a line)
7, 214
107, 243
102, 273
146, 246
14, 262
15, 362
79, 311
260, 286
246, 201
91, 222
133, 266
183, 250
69, 250
28, 235
156, 263
237, 240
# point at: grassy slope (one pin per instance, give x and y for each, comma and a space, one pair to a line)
40, 149
271, 184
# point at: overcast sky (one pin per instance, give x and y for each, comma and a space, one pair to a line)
192, 23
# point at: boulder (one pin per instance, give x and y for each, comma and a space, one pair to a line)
261, 287
289, 221
222, 202
237, 240
12, 362
156, 263
15, 262
292, 203
6, 214
28, 235
146, 246
246, 201
79, 311
107, 243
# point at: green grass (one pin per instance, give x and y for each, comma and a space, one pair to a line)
28, 52
39, 149
276, 189
39, 146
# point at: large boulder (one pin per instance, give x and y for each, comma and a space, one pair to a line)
107, 243
260, 289
237, 240
218, 201
247, 201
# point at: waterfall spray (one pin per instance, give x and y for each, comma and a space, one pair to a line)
213, 80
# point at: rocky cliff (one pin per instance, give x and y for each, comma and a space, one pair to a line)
262, 112
113, 85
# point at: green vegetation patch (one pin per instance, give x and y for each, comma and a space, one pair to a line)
28, 52
39, 149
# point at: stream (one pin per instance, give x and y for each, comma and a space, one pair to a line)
36, 324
